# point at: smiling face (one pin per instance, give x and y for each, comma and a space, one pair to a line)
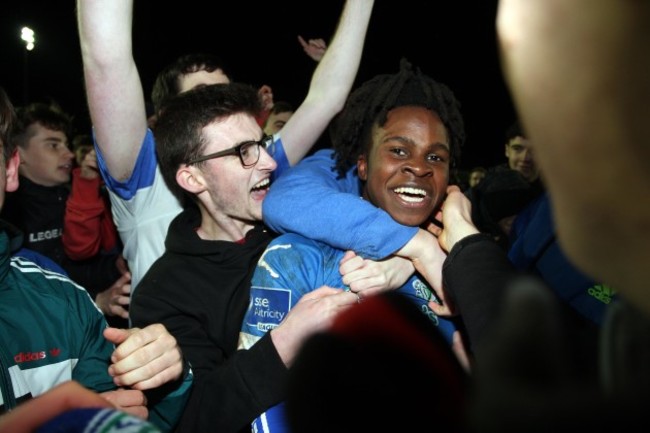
45, 158
407, 168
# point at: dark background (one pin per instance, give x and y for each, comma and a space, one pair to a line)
453, 41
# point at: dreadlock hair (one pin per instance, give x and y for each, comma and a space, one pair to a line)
179, 129
371, 102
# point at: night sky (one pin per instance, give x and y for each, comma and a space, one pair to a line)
454, 42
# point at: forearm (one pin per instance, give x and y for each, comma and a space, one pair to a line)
337, 70
331, 81
476, 274
419, 247
104, 30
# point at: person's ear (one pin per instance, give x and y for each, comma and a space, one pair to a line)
11, 172
190, 179
362, 167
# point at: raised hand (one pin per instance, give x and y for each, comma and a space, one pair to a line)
314, 48
266, 97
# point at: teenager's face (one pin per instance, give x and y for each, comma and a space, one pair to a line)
232, 190
520, 158
46, 159
407, 168
202, 78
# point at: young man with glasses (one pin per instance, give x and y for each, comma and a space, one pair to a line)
142, 204
199, 288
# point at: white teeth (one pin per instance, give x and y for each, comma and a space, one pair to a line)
262, 184
408, 194
412, 199
408, 190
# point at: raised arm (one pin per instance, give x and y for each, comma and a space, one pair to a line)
331, 82
113, 88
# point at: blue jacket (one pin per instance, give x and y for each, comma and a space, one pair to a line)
534, 248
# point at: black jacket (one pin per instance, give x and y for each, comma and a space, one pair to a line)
476, 274
38, 212
200, 290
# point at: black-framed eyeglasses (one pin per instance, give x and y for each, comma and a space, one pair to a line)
248, 152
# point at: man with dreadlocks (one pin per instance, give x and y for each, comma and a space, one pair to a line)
393, 145
328, 185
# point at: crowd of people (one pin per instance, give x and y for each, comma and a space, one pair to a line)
202, 266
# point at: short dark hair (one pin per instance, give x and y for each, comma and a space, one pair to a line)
7, 122
514, 130
371, 102
282, 107
167, 82
179, 129
50, 115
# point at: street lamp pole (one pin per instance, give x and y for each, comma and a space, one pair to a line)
27, 35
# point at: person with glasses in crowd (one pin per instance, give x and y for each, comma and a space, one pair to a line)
142, 204
220, 165
199, 288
